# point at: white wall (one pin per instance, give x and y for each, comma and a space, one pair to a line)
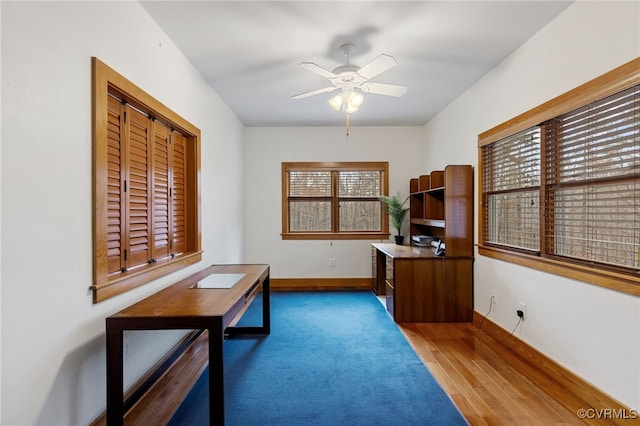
592, 331
267, 148
53, 351
53, 358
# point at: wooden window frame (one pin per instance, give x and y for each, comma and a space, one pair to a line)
106, 82
621, 78
334, 234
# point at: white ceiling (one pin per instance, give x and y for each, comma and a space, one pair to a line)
249, 51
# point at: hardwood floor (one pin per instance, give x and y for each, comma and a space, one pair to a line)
489, 381
489, 384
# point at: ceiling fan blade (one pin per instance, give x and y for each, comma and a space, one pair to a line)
384, 89
377, 66
315, 92
317, 69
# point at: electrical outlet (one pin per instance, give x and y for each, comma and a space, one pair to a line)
494, 297
522, 311
332, 261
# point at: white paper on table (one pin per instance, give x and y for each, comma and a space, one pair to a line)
219, 281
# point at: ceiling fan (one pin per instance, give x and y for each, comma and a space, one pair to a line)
349, 77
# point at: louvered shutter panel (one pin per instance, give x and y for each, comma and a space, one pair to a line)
137, 237
178, 193
160, 194
114, 187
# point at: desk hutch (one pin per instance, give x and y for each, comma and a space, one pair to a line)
420, 286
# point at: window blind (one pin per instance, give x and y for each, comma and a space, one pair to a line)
359, 192
511, 184
310, 184
306, 214
592, 181
360, 183
332, 199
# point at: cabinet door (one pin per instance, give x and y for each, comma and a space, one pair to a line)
390, 299
389, 285
378, 271
433, 290
374, 269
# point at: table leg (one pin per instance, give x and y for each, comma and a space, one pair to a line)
216, 374
265, 328
115, 398
266, 306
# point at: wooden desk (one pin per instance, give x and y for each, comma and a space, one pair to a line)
180, 306
422, 287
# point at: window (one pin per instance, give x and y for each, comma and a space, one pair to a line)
593, 182
145, 196
564, 195
511, 185
334, 200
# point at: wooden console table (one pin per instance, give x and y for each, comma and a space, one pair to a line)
210, 300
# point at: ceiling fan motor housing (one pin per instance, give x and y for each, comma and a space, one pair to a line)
347, 77
348, 68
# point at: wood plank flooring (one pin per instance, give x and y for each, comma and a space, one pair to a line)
489, 383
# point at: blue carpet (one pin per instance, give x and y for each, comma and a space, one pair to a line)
332, 358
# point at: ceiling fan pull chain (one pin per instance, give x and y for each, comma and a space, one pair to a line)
348, 123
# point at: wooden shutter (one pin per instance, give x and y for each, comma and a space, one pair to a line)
133, 224
178, 193
160, 191
137, 188
114, 186
147, 187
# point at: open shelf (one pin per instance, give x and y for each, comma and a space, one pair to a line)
441, 206
429, 222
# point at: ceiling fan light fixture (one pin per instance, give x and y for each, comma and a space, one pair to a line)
351, 109
349, 103
355, 99
336, 102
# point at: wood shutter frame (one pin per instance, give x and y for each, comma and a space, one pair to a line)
112, 166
